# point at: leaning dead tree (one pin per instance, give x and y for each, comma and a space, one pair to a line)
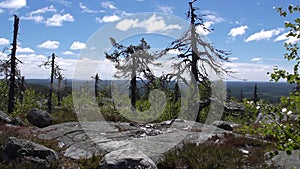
14, 74
197, 56
55, 74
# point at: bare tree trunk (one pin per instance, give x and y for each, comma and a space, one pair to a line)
96, 85
194, 44
133, 82
51, 85
22, 90
59, 89
12, 80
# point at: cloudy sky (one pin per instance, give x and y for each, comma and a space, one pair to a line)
251, 29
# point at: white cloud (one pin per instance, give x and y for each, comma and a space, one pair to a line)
37, 18
31, 70
24, 50
57, 19
62, 2
108, 18
165, 9
4, 41
85, 9
286, 39
256, 60
13, 4
238, 31
50, 8
68, 53
204, 29
249, 71
211, 16
108, 5
214, 18
152, 24
233, 58
49, 44
77, 45
264, 35
174, 52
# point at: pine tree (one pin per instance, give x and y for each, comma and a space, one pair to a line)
132, 61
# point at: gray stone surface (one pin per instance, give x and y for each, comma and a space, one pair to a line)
4, 118
24, 150
282, 160
39, 118
223, 125
84, 139
126, 159
17, 121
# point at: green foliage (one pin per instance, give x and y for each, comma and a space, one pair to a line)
292, 49
287, 133
30, 99
91, 163
283, 129
3, 95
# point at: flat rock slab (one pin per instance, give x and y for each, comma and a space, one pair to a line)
282, 160
82, 140
126, 159
24, 150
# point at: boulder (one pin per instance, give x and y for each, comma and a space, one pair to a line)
232, 106
223, 125
125, 159
17, 121
24, 150
282, 160
273, 117
4, 118
39, 118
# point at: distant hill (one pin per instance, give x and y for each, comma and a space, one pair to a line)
266, 90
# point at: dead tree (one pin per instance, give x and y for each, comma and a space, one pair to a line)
97, 79
55, 74
196, 55
59, 89
13, 68
22, 89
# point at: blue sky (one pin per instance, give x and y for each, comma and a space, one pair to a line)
251, 29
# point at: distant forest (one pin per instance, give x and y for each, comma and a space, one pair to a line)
269, 91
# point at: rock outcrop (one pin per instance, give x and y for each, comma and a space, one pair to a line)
24, 150
4, 118
126, 159
17, 121
84, 139
39, 118
224, 125
282, 160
